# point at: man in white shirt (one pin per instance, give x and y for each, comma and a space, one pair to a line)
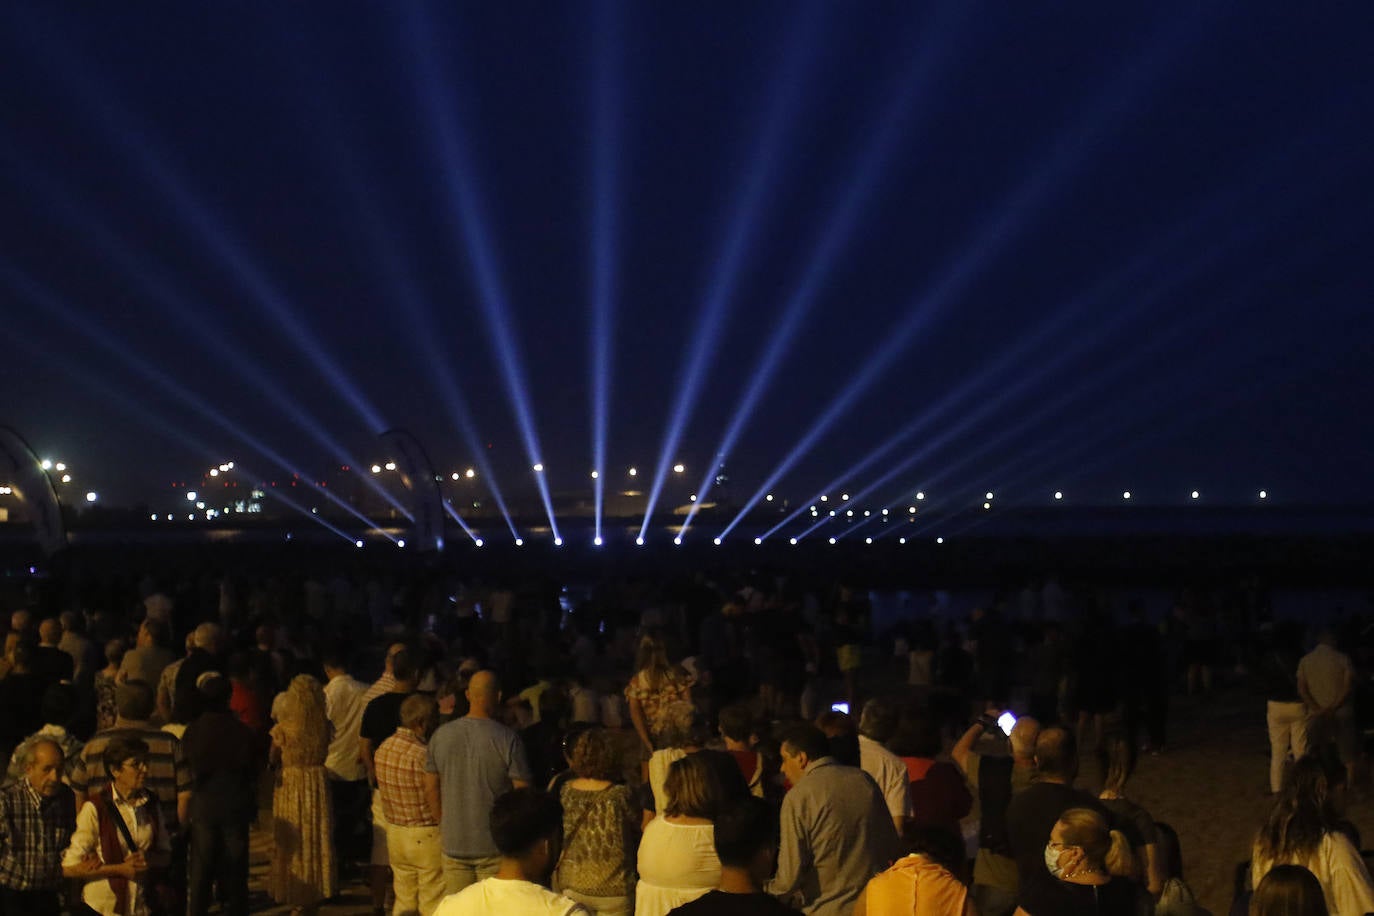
877, 725
527, 826
348, 788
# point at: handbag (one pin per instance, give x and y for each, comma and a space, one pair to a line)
162, 897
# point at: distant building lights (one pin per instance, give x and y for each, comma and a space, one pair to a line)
46, 465
939, 540
60, 466
595, 475
469, 473
792, 541
376, 469
1058, 494
832, 542
558, 542
401, 542
201, 505
391, 465
191, 496
91, 497
66, 478
214, 472
639, 542
597, 540
1195, 494
1126, 494
634, 472
868, 540
715, 541
844, 497
358, 543
455, 476
1264, 494
679, 468
920, 496
539, 468
769, 497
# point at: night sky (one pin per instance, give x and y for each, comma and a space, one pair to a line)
1092, 247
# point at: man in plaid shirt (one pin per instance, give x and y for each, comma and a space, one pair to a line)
37, 817
412, 813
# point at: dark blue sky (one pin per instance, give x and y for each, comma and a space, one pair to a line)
1118, 245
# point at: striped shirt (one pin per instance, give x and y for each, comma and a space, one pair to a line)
168, 772
400, 763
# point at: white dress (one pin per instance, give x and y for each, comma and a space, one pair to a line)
677, 864
1340, 870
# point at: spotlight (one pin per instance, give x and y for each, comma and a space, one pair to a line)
1058, 494
376, 469
470, 473
639, 542
478, 542
519, 542
595, 475
987, 505
832, 540
901, 540
884, 512
191, 496
558, 542
850, 513
457, 476
391, 465
401, 542
154, 518
693, 497
1126, 495
716, 541
911, 510
824, 498
678, 540
358, 543
868, 540
939, 540
539, 468
867, 513
90, 497
769, 497
832, 513
634, 472
1195, 494
679, 468
987, 495
792, 541
844, 496
920, 496
1264, 494
597, 540
758, 541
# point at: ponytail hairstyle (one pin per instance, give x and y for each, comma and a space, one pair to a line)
1103, 849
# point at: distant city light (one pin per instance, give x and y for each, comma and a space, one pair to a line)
792, 541
391, 465
758, 541
519, 542
558, 542
539, 468
824, 498
376, 469
201, 505
769, 497
679, 468
90, 497
469, 473
1195, 494
401, 542
191, 496
1264, 494
595, 475
455, 476
66, 478
634, 472
597, 540
60, 466
639, 542
214, 472
1126, 494
46, 465
920, 496
939, 540
832, 540
1058, 494
844, 496
987, 495
358, 543
901, 540
716, 541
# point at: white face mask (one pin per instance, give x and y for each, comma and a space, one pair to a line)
1052, 861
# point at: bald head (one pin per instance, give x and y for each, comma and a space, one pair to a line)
483, 694
1023, 736
50, 632
1056, 755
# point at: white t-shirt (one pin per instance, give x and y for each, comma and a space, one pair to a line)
889, 772
508, 897
1339, 869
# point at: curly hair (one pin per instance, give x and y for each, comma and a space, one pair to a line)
303, 715
594, 755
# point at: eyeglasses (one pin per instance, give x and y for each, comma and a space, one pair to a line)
134, 765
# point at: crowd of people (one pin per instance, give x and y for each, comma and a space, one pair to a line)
696, 748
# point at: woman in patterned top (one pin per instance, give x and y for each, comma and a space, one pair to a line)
600, 829
656, 685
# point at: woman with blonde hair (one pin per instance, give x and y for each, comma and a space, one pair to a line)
677, 856
655, 686
1088, 860
1302, 829
302, 872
